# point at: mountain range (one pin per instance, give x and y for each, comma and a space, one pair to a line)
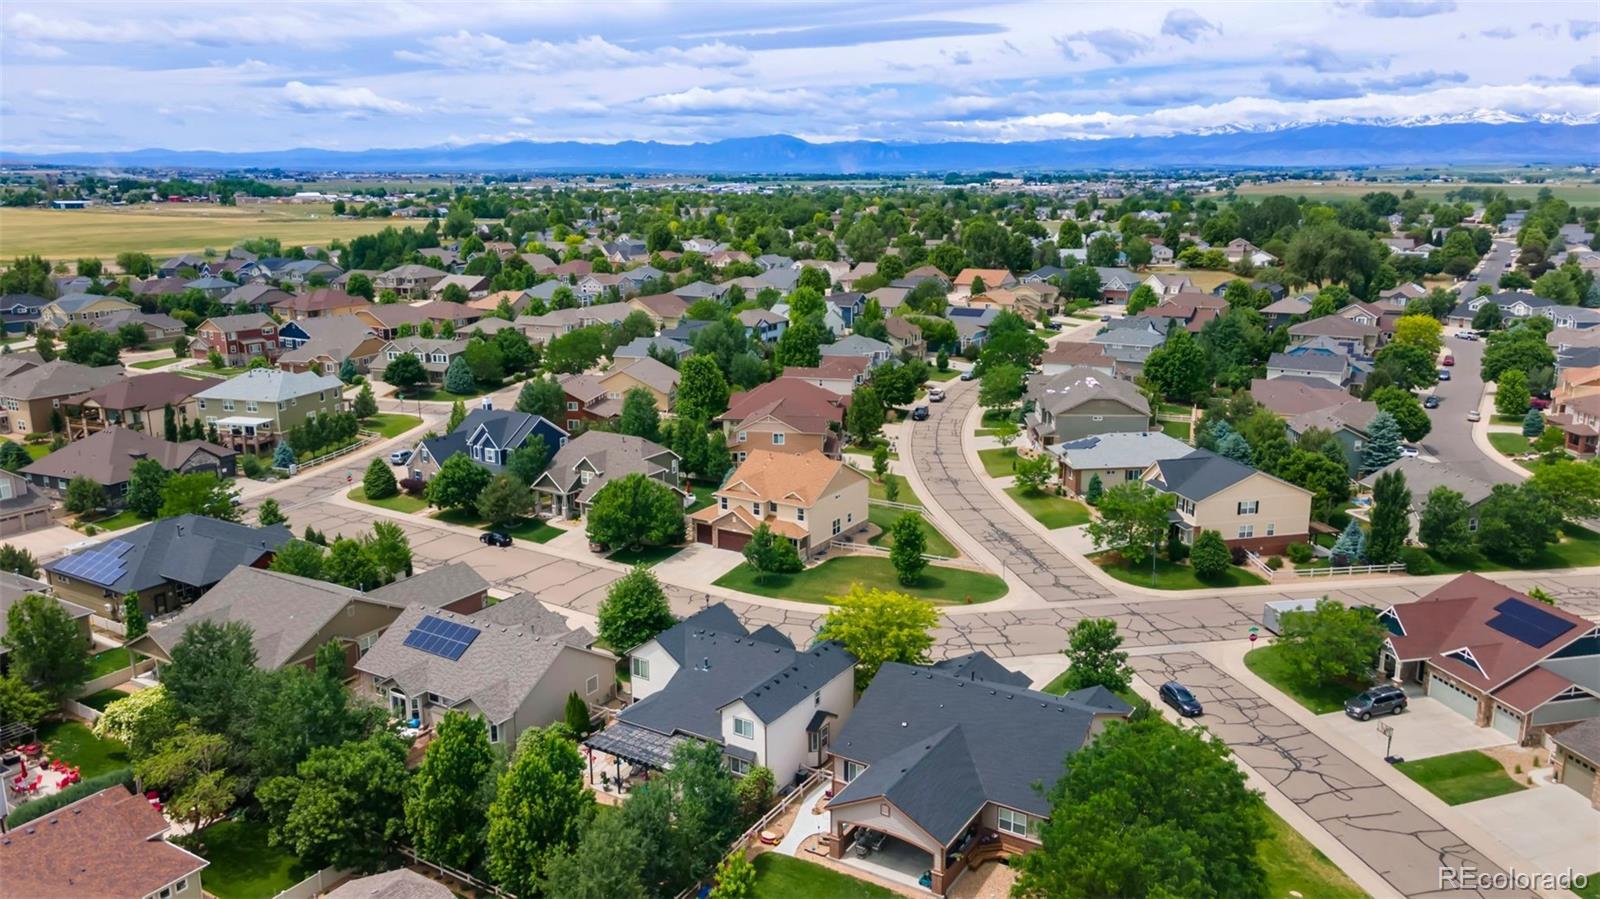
1320, 145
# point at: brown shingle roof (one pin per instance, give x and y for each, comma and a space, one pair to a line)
1289, 397
58, 378
322, 300
159, 388
775, 476
803, 406
107, 457
104, 845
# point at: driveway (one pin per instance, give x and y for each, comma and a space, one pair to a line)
1426, 728
1403, 844
1555, 828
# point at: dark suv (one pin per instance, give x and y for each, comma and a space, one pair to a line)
1376, 701
1182, 701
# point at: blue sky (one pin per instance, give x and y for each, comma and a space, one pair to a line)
194, 75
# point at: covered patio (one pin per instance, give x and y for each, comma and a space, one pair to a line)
890, 858
624, 754
245, 432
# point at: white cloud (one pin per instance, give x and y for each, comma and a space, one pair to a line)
1323, 58
701, 101
1582, 28
1587, 73
1407, 9
1188, 25
332, 98
467, 50
1116, 44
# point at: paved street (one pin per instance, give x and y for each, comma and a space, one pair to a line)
1451, 441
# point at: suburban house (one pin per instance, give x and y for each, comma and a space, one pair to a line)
475, 286
1347, 422
876, 352
168, 563
809, 499
290, 618
784, 416
654, 347
1169, 285
1286, 310
955, 762
1321, 365
1497, 656
13, 589
961, 288
665, 309
1249, 508
324, 302
411, 281
139, 403
1356, 337
254, 298
453, 586
1423, 478
591, 460
1114, 458
838, 374
30, 392
971, 324
1116, 284
1577, 758
1191, 310
323, 345
513, 664
488, 437
542, 329
660, 379
251, 410
763, 324
905, 338
756, 695
81, 307
435, 354
1290, 396
19, 312
22, 508
107, 457
386, 319
237, 338
1068, 354
1514, 306
1578, 418
1130, 341
1082, 402
108, 845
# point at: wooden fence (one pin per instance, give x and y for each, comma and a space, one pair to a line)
742, 841
453, 874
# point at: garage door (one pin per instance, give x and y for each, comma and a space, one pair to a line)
1453, 696
702, 532
732, 540
1577, 774
1507, 722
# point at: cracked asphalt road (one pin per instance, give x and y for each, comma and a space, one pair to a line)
1402, 843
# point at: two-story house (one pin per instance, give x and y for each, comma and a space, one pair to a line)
876, 352
1358, 336
435, 354
139, 403
593, 459
19, 312
807, 498
107, 458
788, 415
488, 437
238, 338
31, 392
838, 374
410, 281
323, 345
81, 307
251, 411
660, 379
1130, 341
1249, 508
324, 302
754, 694
1578, 418
1082, 402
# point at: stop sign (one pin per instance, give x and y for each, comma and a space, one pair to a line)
1252, 638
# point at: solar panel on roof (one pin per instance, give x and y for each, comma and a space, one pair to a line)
1527, 623
445, 639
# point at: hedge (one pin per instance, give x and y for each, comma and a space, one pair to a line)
44, 805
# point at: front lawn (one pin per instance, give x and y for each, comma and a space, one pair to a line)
107, 661
400, 502
440, 395
205, 371
1048, 509
1169, 576
1579, 548
1267, 663
939, 584
649, 556
875, 490
999, 463
1461, 777
866, 449
73, 743
123, 519
149, 364
243, 865
390, 424
1296, 868
1509, 443
784, 877
35, 451
946, 375
535, 530
935, 543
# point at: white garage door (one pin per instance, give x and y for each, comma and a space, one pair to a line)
1453, 696
1578, 774
1507, 722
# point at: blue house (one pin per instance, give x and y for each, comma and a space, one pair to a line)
489, 437
292, 336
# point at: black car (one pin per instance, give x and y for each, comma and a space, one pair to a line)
1376, 701
1432, 402
1178, 696
495, 538
919, 414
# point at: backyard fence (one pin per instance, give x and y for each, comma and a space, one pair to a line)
818, 775
453, 874
315, 885
116, 678
310, 463
1391, 568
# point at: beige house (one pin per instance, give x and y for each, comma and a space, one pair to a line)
81, 307
808, 499
658, 378
411, 281
1250, 508
783, 416
253, 409
139, 403
434, 353
31, 391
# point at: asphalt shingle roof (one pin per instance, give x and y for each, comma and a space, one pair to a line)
189, 549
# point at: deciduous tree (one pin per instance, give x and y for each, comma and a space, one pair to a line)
1095, 657
344, 805
1443, 527
1329, 644
1133, 519
539, 810
634, 610
636, 511
457, 484
879, 626
447, 803
910, 542
45, 647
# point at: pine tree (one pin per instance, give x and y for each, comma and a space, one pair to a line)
1391, 518
1351, 543
365, 405
458, 377
1235, 447
378, 482
1383, 442
169, 425
283, 456
1092, 495
1532, 423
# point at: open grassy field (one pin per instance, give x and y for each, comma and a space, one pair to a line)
1573, 192
167, 229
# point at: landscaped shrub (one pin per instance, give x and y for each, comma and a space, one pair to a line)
1238, 554
1275, 563
1417, 561
1177, 550
413, 486
1299, 553
252, 465
44, 805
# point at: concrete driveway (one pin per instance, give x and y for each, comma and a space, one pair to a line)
1553, 827
1426, 728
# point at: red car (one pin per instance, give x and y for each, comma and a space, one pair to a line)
1449, 360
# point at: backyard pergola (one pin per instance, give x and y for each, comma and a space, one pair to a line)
638, 746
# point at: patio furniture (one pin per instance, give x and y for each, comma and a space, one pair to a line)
771, 838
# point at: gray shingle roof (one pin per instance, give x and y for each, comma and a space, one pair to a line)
189, 549
401, 883
1076, 386
58, 378
1200, 474
441, 586
1308, 362
612, 455
271, 385
1122, 450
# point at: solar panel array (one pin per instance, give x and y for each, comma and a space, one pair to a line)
102, 565
1527, 623
445, 639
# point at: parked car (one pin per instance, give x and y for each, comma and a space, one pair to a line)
1449, 359
966, 375
1466, 335
1473, 415
399, 457
1444, 374
1540, 403
1407, 451
935, 395
1382, 700
1431, 402
495, 538
919, 414
1178, 696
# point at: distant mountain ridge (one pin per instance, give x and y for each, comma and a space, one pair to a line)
1322, 145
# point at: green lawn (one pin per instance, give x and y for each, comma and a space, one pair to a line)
939, 584
243, 865
204, 370
1177, 429
99, 701
1461, 777
1296, 868
123, 519
391, 424
104, 662
866, 449
1509, 443
1579, 548
73, 743
1169, 576
1267, 663
1050, 510
875, 490
648, 557
400, 502
149, 364
535, 530
994, 418
1592, 890
947, 375
35, 451
885, 516
704, 496
998, 463
440, 395
786, 877
1174, 409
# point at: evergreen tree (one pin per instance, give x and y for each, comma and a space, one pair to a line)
1096, 488
1350, 544
169, 425
282, 456
458, 414
365, 405
378, 482
1533, 423
268, 513
1383, 442
1235, 447
458, 377
1391, 518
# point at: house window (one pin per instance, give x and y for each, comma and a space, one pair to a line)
202, 404
640, 668
743, 436
852, 770
772, 507
1014, 822
572, 406
813, 741
1097, 418
392, 355
722, 503
777, 439
755, 509
738, 766
799, 513
1472, 525
1131, 474
1272, 528
592, 685
494, 733
1249, 508
836, 527
1246, 530
744, 727
181, 885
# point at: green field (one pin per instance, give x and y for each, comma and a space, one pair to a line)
936, 544
1509, 443
107, 661
1461, 776
391, 424
939, 584
1169, 576
168, 229
1176, 429
1048, 509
